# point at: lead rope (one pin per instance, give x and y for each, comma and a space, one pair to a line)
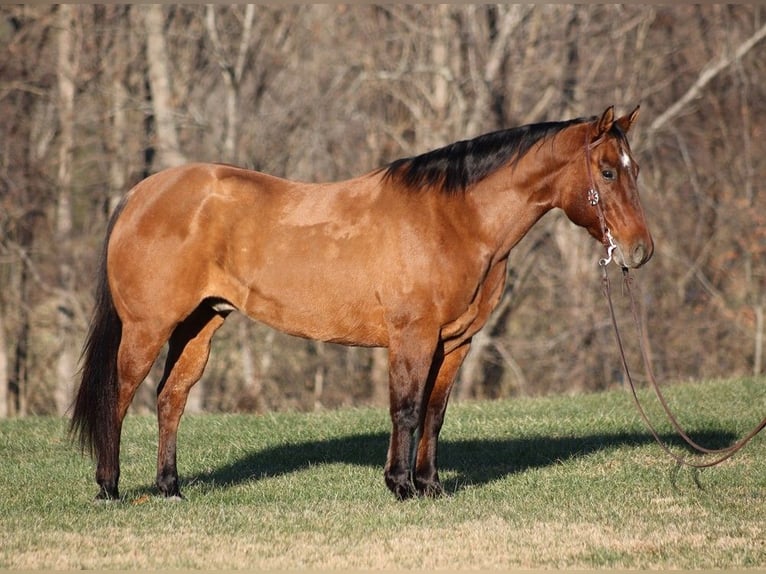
609, 244
726, 452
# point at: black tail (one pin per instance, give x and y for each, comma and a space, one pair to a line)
95, 408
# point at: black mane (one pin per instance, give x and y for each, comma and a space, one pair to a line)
455, 167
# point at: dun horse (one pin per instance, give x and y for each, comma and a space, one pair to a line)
411, 257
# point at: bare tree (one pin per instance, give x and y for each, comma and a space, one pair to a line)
88, 94
117, 81
158, 69
4, 410
66, 73
708, 73
232, 70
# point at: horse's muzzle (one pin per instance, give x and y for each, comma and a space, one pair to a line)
634, 255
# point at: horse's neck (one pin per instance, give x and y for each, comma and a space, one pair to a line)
510, 201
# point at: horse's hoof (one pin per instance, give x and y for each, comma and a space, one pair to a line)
106, 495
401, 487
178, 497
99, 499
169, 486
429, 489
404, 491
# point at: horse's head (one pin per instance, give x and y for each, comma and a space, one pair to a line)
604, 195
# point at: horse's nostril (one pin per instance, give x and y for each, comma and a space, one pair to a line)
639, 253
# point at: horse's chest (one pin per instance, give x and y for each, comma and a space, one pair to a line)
475, 314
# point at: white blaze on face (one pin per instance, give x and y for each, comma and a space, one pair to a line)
625, 159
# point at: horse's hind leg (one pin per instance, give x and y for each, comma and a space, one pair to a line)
189, 348
139, 347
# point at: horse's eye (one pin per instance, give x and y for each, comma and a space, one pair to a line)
608, 174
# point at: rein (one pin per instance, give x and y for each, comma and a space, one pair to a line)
721, 454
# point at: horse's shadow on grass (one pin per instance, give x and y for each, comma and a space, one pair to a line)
474, 462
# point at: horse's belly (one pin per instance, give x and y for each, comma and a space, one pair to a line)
311, 314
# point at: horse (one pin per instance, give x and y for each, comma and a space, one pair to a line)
411, 257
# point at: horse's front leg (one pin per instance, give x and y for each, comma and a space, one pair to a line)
410, 356
426, 470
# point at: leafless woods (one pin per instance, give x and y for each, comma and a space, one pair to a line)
93, 98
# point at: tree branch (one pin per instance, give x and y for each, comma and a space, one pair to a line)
706, 75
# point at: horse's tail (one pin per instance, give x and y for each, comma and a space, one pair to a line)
95, 407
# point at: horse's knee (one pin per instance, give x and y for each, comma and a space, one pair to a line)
405, 414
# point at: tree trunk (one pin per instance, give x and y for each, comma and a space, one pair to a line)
117, 128
17, 383
231, 74
487, 83
167, 147
379, 377
253, 379
67, 69
3, 372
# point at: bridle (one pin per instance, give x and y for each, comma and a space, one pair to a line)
594, 199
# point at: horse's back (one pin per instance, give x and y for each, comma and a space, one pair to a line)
281, 251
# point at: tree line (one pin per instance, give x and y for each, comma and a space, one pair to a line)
93, 98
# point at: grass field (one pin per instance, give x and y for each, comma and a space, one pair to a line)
553, 482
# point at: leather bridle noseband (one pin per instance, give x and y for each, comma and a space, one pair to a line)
594, 199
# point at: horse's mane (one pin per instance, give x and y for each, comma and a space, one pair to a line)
457, 166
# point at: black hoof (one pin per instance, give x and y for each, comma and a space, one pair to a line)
429, 488
172, 493
403, 491
169, 487
107, 494
402, 487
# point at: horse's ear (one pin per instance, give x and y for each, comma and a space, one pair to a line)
626, 121
605, 123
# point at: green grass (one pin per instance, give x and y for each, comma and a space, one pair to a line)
553, 482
